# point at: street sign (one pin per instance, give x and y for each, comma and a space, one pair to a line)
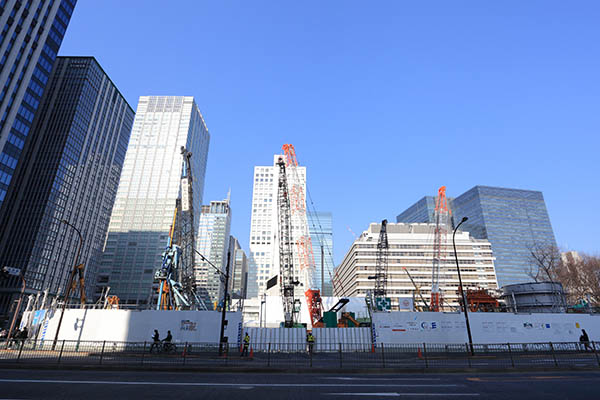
12, 271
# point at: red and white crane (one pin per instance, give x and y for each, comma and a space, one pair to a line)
442, 223
304, 250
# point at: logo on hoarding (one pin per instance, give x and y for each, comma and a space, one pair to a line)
187, 325
428, 325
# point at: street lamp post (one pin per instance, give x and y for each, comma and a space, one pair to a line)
70, 282
14, 318
460, 285
225, 277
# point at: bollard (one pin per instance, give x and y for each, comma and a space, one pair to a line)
595, 352
553, 355
20, 350
61, 351
143, 354
102, 352
269, 355
340, 347
382, 355
185, 352
512, 362
425, 355
467, 350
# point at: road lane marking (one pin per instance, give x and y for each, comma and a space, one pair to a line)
395, 394
348, 378
220, 384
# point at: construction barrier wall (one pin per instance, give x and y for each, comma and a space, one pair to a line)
329, 339
280, 339
133, 326
429, 327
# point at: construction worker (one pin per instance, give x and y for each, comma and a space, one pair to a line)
310, 339
246, 345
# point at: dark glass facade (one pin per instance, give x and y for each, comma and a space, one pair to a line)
31, 35
420, 212
73, 170
513, 220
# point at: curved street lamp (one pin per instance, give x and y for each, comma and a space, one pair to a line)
70, 283
460, 285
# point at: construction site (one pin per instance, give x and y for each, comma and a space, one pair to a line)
429, 303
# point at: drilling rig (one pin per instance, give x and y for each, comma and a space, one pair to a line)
287, 281
442, 221
306, 260
381, 267
176, 283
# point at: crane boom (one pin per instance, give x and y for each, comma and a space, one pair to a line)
286, 259
381, 265
304, 248
442, 216
417, 289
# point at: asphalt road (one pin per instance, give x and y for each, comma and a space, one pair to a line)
114, 385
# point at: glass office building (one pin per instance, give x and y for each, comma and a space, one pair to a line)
320, 226
513, 220
213, 243
32, 32
72, 174
420, 212
146, 199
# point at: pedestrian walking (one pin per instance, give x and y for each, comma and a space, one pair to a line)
585, 340
310, 339
155, 341
246, 345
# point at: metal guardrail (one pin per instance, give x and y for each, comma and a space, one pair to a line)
292, 355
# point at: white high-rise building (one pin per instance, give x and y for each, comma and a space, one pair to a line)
264, 230
411, 249
150, 185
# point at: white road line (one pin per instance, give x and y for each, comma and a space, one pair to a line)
348, 378
393, 394
218, 383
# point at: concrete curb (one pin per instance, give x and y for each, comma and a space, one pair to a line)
219, 369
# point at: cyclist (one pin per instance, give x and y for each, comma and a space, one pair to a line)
167, 345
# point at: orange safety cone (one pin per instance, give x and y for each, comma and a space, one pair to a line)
251, 352
372, 348
419, 354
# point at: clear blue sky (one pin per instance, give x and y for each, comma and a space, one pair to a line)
384, 101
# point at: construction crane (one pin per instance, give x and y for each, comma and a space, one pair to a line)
287, 281
417, 288
304, 248
381, 265
176, 284
442, 220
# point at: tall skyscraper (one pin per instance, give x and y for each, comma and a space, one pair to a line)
146, 199
239, 274
320, 225
32, 32
81, 135
515, 221
264, 229
212, 243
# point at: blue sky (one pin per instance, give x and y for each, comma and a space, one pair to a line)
384, 101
